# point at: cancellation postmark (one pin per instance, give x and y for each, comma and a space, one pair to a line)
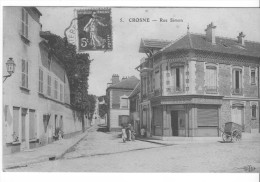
91, 30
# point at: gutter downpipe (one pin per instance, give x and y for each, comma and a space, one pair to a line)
258, 100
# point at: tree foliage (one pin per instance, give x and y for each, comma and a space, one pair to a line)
77, 68
103, 108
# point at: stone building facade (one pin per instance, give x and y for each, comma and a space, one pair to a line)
118, 101
36, 98
194, 85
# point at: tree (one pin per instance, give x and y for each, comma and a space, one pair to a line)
77, 68
103, 108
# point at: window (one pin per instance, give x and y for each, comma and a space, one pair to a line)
40, 81
237, 81
24, 74
25, 26
61, 92
157, 79
253, 77
253, 111
124, 102
144, 85
55, 89
49, 86
211, 79
178, 76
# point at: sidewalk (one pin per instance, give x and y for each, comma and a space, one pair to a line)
186, 140
51, 151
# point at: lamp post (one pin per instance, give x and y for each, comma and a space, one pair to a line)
10, 67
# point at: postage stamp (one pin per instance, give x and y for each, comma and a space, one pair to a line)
91, 30
94, 29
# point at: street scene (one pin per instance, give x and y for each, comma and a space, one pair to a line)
127, 89
105, 152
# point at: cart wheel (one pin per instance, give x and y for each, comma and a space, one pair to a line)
226, 137
236, 135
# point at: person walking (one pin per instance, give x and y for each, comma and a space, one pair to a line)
129, 132
124, 134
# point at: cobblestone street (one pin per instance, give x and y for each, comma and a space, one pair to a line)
105, 152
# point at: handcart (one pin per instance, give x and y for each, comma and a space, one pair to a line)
232, 132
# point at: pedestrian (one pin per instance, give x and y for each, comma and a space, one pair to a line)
133, 134
124, 134
142, 132
129, 132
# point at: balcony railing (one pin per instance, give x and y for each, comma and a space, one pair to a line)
237, 91
211, 89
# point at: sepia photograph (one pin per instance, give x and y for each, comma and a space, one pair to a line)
130, 89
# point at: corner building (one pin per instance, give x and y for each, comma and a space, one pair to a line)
194, 85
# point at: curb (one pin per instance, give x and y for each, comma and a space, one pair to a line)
155, 142
47, 158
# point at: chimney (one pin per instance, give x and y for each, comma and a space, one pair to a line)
115, 79
241, 38
109, 84
210, 33
124, 78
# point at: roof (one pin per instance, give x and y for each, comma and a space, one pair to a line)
36, 10
223, 45
128, 83
136, 90
152, 43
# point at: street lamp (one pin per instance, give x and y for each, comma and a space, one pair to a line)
10, 67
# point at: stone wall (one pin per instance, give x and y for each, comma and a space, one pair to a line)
224, 80
200, 72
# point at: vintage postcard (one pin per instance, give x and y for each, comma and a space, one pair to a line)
131, 89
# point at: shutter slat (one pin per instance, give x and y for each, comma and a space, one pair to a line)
207, 117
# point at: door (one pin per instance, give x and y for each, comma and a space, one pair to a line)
16, 124
24, 112
23, 139
237, 116
174, 123
56, 125
32, 125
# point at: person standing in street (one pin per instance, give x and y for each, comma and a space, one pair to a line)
128, 130
124, 134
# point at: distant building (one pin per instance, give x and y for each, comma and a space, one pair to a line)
194, 85
117, 93
36, 98
134, 99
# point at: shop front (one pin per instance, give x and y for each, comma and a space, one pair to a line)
186, 117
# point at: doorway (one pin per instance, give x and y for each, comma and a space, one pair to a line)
23, 139
174, 123
238, 115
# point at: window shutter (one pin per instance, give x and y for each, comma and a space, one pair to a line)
207, 116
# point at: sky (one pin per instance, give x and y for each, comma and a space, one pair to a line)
126, 36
